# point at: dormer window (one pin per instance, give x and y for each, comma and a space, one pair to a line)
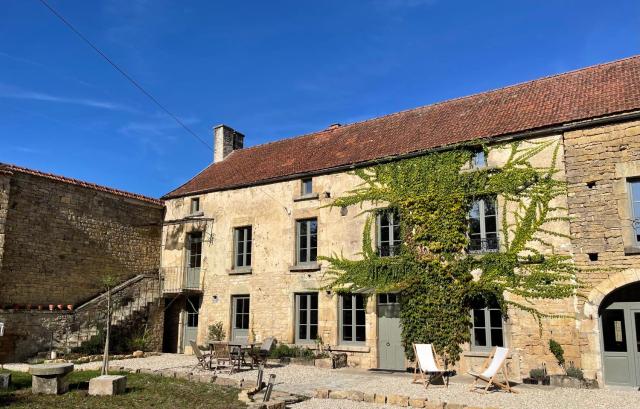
307, 186
479, 159
195, 205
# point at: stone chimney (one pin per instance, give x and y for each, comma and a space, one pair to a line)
225, 141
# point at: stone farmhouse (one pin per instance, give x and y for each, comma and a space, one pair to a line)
58, 238
241, 239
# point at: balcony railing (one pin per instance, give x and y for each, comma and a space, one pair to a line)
488, 245
180, 279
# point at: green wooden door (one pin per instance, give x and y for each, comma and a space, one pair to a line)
390, 350
240, 319
192, 311
620, 337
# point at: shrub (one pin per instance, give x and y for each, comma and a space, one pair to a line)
557, 351
216, 332
286, 351
537, 373
574, 372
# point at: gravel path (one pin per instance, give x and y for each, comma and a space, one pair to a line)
303, 380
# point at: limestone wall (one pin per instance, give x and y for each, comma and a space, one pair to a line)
61, 239
599, 162
272, 211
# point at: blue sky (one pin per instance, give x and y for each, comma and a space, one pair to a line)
270, 69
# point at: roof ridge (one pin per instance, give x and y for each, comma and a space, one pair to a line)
78, 182
486, 92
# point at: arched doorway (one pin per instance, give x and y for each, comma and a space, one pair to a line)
619, 321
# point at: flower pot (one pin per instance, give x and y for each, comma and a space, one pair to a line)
60, 307
70, 307
51, 307
39, 307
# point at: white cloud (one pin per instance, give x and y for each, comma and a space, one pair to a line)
7, 91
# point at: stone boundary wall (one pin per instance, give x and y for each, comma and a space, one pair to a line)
28, 332
61, 239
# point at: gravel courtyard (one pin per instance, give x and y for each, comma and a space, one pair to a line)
304, 379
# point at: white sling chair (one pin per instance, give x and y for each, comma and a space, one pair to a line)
496, 362
426, 365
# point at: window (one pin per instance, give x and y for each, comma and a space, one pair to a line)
242, 245
307, 241
389, 238
389, 298
634, 188
307, 186
194, 250
487, 328
306, 317
352, 319
241, 312
195, 205
479, 159
483, 228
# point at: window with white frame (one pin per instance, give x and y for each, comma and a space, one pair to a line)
306, 317
388, 235
306, 241
634, 192
483, 226
488, 329
242, 237
352, 319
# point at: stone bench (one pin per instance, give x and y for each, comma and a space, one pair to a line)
50, 379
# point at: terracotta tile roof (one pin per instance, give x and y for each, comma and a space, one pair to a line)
586, 93
8, 168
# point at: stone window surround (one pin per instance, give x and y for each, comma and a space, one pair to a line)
625, 172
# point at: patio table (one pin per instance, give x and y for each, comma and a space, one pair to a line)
240, 347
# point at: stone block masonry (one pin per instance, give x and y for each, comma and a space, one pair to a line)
60, 239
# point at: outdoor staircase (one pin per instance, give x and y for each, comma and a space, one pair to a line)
132, 302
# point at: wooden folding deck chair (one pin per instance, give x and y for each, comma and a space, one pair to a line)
201, 356
426, 369
495, 363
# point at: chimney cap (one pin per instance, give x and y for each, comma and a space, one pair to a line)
334, 125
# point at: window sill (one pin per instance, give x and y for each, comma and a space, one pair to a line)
240, 270
351, 348
305, 267
308, 196
482, 353
629, 251
196, 214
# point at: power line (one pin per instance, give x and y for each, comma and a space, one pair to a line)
124, 74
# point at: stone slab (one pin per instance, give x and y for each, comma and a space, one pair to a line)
49, 385
50, 369
108, 385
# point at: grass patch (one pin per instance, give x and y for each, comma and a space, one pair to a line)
143, 391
